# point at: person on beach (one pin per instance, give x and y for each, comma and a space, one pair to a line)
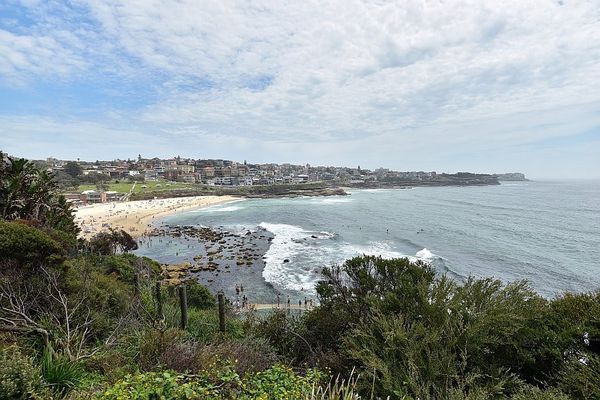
237, 290
288, 298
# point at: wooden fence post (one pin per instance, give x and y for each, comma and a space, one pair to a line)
221, 301
183, 306
159, 305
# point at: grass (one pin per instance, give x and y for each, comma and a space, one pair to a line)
60, 374
124, 187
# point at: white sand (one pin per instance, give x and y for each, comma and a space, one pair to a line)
136, 217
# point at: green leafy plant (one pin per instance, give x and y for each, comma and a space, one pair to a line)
60, 374
20, 377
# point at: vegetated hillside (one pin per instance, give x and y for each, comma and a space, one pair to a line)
254, 191
85, 319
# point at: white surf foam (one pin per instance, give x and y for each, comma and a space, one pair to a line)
285, 244
425, 254
371, 249
218, 209
307, 252
334, 200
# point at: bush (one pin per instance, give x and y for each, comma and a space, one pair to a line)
426, 336
150, 344
246, 355
279, 382
27, 245
581, 377
160, 385
60, 374
20, 378
534, 393
199, 296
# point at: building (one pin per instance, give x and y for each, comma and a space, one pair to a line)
109, 196
222, 181
94, 196
189, 178
90, 196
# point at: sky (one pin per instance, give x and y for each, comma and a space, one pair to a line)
457, 85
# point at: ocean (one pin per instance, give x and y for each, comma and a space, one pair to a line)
545, 232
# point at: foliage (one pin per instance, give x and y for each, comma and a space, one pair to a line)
414, 334
199, 296
27, 245
127, 266
160, 385
280, 382
60, 373
487, 329
535, 393
581, 377
203, 325
20, 377
29, 193
247, 355
73, 169
276, 383
108, 243
280, 330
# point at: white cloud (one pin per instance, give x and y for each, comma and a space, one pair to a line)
350, 75
24, 56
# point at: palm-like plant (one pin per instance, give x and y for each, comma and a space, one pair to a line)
29, 193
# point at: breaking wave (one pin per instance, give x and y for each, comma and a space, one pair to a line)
296, 256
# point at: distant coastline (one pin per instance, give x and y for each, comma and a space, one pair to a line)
315, 189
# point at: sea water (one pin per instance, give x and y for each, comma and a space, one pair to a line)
545, 232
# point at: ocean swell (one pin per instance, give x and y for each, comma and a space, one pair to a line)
296, 255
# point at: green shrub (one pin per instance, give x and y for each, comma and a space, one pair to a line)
535, 393
218, 384
60, 374
20, 377
199, 296
280, 383
27, 245
247, 355
149, 345
580, 377
276, 383
159, 385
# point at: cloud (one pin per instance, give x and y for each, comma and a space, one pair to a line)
25, 56
342, 76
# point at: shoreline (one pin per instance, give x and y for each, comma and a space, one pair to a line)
135, 217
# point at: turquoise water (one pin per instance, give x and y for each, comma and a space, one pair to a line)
545, 232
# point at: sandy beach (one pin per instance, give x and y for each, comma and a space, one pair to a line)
136, 217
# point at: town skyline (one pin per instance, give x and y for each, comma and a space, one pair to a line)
140, 163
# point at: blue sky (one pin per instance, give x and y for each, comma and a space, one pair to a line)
476, 85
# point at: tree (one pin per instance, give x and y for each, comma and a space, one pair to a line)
108, 243
102, 186
73, 168
29, 193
